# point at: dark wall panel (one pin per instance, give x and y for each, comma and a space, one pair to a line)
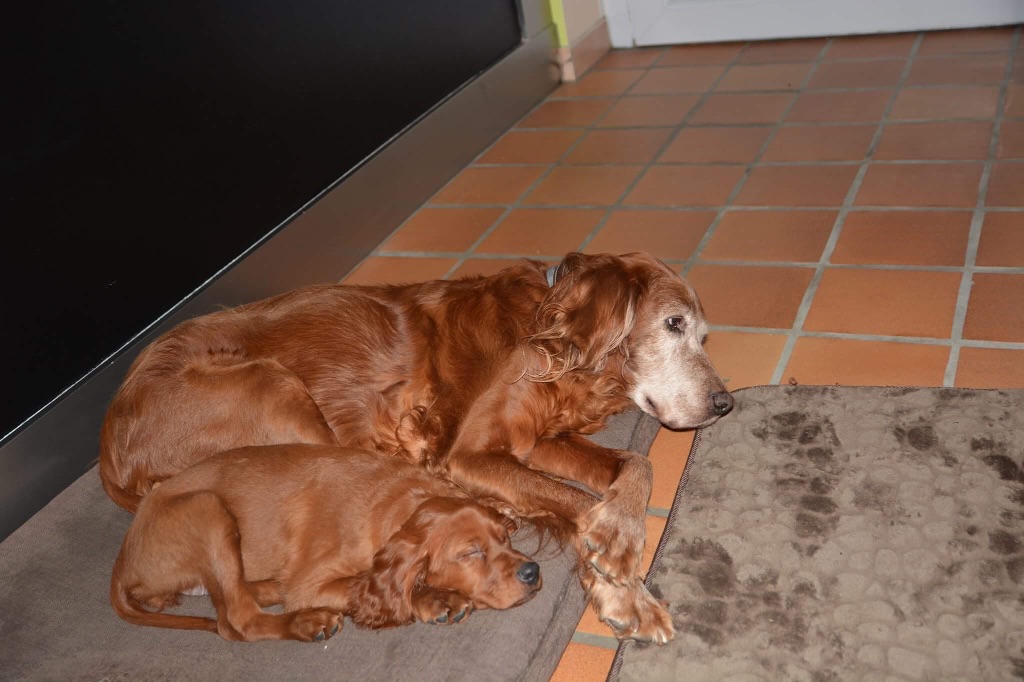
146, 145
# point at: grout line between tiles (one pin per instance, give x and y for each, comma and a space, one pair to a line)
565, 155
826, 60
590, 639
497, 223
461, 257
993, 269
887, 58
833, 239
785, 124
715, 207
661, 150
977, 220
738, 187
764, 164
876, 338
460, 261
784, 91
852, 266
375, 252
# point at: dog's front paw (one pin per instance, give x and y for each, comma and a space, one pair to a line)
441, 607
632, 612
315, 625
613, 540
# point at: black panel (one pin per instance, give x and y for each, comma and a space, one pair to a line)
148, 144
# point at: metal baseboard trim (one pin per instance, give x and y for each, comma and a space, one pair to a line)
320, 243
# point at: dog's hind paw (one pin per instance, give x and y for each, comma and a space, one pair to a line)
315, 625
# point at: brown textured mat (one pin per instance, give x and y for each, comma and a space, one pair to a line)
56, 622
827, 533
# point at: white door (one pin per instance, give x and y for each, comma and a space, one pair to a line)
667, 22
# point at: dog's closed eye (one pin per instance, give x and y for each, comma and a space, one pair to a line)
471, 553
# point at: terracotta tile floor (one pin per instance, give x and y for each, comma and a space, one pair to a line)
837, 203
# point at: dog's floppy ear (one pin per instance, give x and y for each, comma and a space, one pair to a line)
588, 313
381, 596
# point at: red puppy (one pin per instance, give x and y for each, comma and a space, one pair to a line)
324, 531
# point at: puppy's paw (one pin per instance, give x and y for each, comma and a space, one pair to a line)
314, 625
632, 612
441, 608
613, 540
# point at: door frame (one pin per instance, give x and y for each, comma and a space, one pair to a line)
637, 23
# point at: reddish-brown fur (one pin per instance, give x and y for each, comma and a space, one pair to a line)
324, 531
487, 381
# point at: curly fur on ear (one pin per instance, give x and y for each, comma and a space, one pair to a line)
383, 593
588, 315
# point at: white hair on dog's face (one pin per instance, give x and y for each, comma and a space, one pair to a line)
636, 306
672, 377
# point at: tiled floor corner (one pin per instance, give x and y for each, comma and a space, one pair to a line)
851, 210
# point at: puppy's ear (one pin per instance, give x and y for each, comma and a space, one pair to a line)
588, 313
381, 597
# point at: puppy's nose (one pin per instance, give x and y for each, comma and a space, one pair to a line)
528, 573
722, 403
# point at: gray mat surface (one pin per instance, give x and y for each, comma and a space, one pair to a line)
56, 622
826, 533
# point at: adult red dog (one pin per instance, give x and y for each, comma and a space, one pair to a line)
489, 381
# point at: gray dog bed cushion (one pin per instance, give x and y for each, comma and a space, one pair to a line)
56, 622
826, 533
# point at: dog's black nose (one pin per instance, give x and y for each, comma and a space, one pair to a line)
528, 573
722, 402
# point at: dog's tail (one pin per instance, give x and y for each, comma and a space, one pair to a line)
130, 610
114, 444
124, 499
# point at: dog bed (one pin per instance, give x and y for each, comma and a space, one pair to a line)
56, 622
826, 533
